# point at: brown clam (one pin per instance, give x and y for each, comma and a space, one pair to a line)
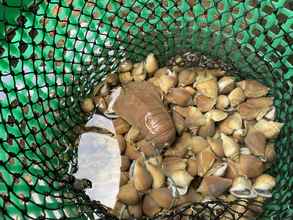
190, 197
181, 178
125, 77
226, 84
208, 129
163, 197
124, 177
231, 123
256, 142
151, 64
223, 102
236, 96
253, 89
194, 117
179, 96
181, 146
142, 179
205, 160
186, 77
146, 148
128, 194
125, 66
204, 103
216, 115
138, 72
131, 151
178, 122
270, 153
231, 148
216, 146
121, 126
250, 166
87, 105
125, 163
242, 188
218, 169
192, 166
135, 210
208, 88
197, 144
214, 185
232, 169
270, 129
133, 135
157, 175
121, 142
149, 207
264, 184
171, 164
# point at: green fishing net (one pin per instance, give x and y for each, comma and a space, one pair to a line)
52, 52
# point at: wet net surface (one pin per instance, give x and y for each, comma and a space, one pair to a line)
53, 52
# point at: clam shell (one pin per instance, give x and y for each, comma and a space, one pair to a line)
151, 64
125, 66
204, 103
231, 148
208, 129
231, 123
100, 103
253, 89
236, 96
181, 146
157, 175
125, 77
194, 117
186, 77
179, 96
270, 129
216, 146
179, 122
171, 164
142, 179
124, 177
190, 197
128, 194
190, 89
208, 88
256, 142
250, 166
163, 197
232, 169
183, 111
226, 84
138, 72
216, 115
146, 148
121, 126
133, 135
264, 184
135, 210
131, 151
192, 166
205, 160
242, 188
121, 142
270, 153
166, 82
181, 178
197, 144
271, 114
214, 185
223, 102
87, 105
125, 163
218, 169
112, 79
149, 207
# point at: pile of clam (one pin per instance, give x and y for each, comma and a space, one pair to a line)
187, 135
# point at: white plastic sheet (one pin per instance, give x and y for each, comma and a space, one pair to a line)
99, 161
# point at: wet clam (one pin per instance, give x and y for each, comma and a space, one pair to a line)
226, 84
208, 88
128, 194
186, 77
264, 184
214, 185
250, 166
142, 179
151, 64
253, 88
205, 160
256, 142
242, 188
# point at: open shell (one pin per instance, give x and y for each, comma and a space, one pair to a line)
242, 188
264, 184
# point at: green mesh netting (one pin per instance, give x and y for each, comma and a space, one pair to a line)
53, 52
